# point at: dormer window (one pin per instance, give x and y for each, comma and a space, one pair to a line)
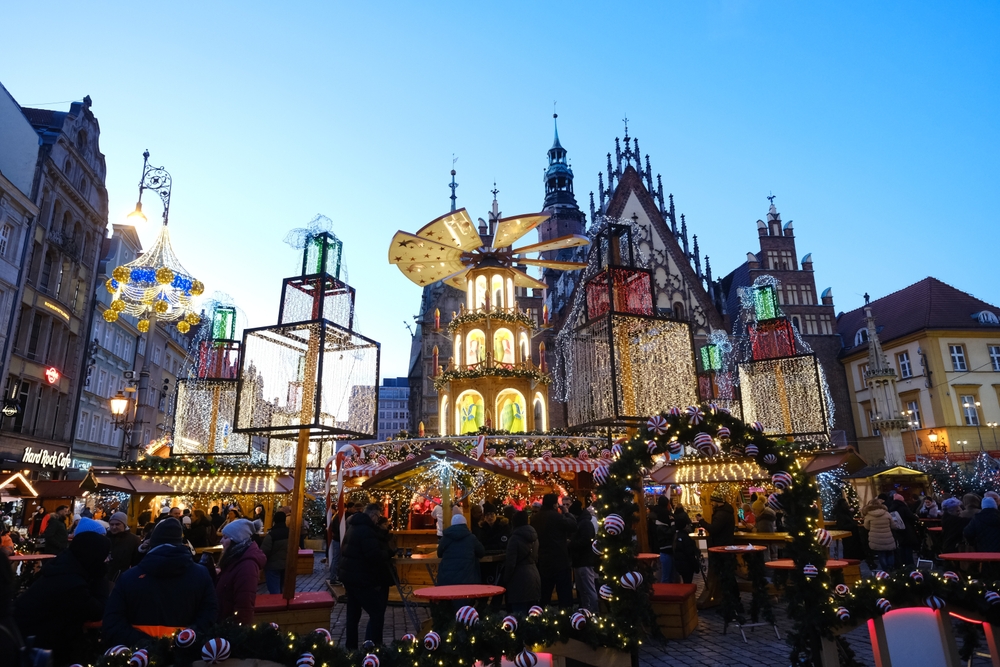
861, 337
986, 317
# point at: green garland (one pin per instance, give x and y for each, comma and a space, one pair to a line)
192, 465
515, 317
534, 374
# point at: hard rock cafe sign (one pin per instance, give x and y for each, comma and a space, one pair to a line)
45, 458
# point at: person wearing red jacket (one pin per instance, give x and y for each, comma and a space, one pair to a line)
239, 571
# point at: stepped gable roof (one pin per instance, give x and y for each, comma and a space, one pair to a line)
928, 304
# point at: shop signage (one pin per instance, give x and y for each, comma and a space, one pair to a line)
11, 408
52, 374
45, 458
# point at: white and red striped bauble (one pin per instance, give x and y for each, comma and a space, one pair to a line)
600, 475
810, 571
751, 450
770, 459
535, 611
704, 443
578, 620
606, 592
674, 412
881, 575
917, 577
843, 615
467, 616
757, 426
631, 580
723, 433
509, 623
546, 454
595, 547
324, 633
616, 451
613, 524
842, 590
883, 605
992, 597
432, 640
525, 659
371, 660
823, 537
676, 448
139, 659
510, 453
583, 455
185, 638
274, 626
382, 460
657, 425
950, 576
774, 502
695, 415
215, 650
934, 602
781, 480
651, 447
305, 660
120, 649
408, 637
606, 454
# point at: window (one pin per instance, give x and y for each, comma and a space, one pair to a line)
862, 370
795, 321
119, 339
156, 356
81, 429
105, 432
970, 410
128, 349
995, 357
807, 295
825, 325
860, 337
5, 234
957, 358
871, 422
905, 370
914, 409
95, 423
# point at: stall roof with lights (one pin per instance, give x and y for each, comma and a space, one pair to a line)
16, 487
746, 469
396, 475
168, 484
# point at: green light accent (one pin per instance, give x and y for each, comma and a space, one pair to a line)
711, 359
322, 255
765, 303
224, 323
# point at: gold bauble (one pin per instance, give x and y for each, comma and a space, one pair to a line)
161, 306
143, 326
164, 275
110, 315
192, 318
183, 327
118, 305
121, 274
197, 287
108, 285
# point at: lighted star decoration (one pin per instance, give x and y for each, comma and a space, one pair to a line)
448, 247
154, 285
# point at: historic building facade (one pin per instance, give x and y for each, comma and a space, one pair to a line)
811, 313
943, 346
45, 372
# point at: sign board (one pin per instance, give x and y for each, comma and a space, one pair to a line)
45, 458
11, 408
52, 374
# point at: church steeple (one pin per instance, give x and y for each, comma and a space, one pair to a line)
558, 176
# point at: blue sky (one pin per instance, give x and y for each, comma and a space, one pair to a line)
875, 124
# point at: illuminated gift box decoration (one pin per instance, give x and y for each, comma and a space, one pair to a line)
206, 403
786, 395
772, 339
312, 378
627, 363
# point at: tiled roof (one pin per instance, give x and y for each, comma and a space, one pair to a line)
928, 304
44, 118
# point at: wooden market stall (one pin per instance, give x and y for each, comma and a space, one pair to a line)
870, 481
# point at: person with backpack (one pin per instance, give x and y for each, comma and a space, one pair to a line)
881, 540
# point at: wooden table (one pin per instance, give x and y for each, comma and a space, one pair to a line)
783, 537
978, 557
27, 558
935, 529
459, 592
789, 564
710, 596
425, 548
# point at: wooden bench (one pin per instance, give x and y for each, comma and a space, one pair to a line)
305, 563
852, 571
303, 614
675, 608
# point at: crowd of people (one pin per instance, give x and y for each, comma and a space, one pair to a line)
138, 586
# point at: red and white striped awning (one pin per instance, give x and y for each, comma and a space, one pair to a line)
368, 469
554, 464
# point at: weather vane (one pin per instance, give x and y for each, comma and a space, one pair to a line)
625, 120
771, 197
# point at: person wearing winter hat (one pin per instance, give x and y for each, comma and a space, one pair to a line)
70, 591
124, 546
459, 551
166, 592
86, 525
983, 531
239, 571
952, 525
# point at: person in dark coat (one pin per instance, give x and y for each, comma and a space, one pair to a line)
275, 547
952, 525
167, 591
723, 525
582, 556
459, 551
907, 538
71, 590
56, 535
239, 572
554, 565
365, 569
200, 533
520, 573
216, 518
686, 556
983, 531
493, 529
665, 531
124, 546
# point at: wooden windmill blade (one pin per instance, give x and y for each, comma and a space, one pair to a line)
568, 241
510, 230
457, 279
522, 279
554, 264
453, 229
408, 248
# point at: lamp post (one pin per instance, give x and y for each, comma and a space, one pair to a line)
979, 430
152, 287
961, 445
914, 425
120, 413
993, 427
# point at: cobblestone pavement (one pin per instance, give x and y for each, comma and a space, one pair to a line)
706, 647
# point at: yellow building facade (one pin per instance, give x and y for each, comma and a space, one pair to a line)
944, 345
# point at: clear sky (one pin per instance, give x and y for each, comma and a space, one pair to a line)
875, 124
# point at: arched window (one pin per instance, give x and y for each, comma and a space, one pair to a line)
496, 292
541, 415
46, 274
861, 337
68, 167
503, 347
525, 349
81, 140
67, 224
443, 417
470, 412
481, 291
469, 292
510, 411
458, 350
795, 321
678, 310
475, 348
510, 293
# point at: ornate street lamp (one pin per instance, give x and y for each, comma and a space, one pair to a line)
124, 414
155, 286
979, 431
993, 427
